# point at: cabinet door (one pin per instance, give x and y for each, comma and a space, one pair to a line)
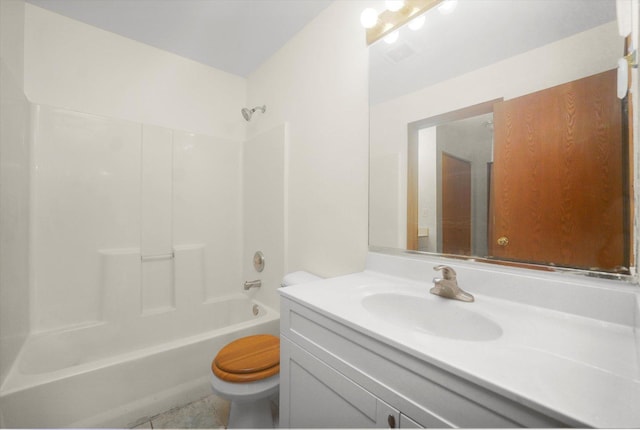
314, 395
408, 423
387, 416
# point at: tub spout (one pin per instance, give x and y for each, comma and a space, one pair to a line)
251, 284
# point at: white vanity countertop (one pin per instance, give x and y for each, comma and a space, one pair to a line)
581, 370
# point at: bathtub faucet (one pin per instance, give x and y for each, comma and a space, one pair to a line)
250, 284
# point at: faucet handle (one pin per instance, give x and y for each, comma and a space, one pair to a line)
447, 272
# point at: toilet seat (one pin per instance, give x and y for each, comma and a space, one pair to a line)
248, 359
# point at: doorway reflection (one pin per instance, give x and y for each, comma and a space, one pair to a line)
454, 169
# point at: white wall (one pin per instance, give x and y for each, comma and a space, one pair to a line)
14, 187
75, 66
264, 206
317, 83
575, 57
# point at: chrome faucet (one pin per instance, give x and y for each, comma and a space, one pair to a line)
447, 286
252, 284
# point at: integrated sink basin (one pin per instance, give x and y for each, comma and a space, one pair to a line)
439, 317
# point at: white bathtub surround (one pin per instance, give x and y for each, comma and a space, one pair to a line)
156, 236
15, 203
208, 207
565, 351
123, 219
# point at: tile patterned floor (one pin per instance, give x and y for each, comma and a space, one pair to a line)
207, 413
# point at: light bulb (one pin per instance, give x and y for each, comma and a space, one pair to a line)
623, 78
417, 23
447, 6
391, 37
369, 18
394, 5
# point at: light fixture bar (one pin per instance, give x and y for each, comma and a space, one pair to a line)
389, 21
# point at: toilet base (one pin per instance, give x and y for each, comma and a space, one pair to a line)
252, 414
250, 401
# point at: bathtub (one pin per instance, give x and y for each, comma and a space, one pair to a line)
119, 375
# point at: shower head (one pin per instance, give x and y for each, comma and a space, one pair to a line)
247, 113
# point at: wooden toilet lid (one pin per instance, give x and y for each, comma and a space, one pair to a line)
248, 359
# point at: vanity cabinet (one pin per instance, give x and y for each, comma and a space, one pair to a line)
319, 396
335, 375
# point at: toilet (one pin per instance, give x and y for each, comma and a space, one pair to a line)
247, 373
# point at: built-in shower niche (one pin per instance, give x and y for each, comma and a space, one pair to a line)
130, 221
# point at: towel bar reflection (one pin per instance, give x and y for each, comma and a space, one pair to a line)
155, 257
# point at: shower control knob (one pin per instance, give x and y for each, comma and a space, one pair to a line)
258, 261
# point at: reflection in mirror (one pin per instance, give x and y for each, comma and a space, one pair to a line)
444, 181
454, 161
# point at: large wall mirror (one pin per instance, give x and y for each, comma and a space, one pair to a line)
496, 132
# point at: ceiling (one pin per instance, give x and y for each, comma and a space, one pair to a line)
231, 35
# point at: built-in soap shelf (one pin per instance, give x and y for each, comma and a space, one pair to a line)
155, 257
137, 285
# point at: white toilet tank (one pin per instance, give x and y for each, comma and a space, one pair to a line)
299, 277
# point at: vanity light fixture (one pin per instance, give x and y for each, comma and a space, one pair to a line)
391, 37
387, 22
417, 23
369, 18
625, 10
629, 61
394, 5
447, 6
